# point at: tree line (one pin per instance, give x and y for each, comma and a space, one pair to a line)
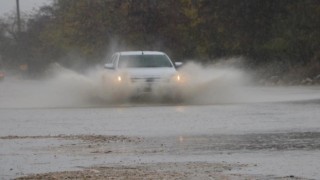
282, 31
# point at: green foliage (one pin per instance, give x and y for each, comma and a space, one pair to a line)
199, 29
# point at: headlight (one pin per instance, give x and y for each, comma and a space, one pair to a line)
119, 78
177, 78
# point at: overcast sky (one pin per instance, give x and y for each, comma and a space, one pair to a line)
26, 6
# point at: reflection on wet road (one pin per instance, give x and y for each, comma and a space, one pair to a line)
279, 138
251, 142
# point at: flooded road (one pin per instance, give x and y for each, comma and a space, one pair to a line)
274, 135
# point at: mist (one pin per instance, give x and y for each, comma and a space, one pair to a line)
210, 84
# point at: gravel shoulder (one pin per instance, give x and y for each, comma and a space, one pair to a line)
188, 170
99, 146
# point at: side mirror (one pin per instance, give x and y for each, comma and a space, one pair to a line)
178, 64
108, 66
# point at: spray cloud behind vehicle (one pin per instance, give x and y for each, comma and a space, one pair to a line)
64, 87
212, 84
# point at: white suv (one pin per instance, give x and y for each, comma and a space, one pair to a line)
143, 72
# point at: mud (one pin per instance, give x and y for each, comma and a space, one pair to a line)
192, 170
87, 138
99, 146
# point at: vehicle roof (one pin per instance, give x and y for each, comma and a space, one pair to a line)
141, 52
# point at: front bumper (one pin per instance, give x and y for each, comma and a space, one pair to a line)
146, 87
124, 87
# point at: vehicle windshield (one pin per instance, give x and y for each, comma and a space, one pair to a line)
144, 61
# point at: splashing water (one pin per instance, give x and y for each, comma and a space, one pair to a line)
200, 85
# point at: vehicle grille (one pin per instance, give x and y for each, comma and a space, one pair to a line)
148, 80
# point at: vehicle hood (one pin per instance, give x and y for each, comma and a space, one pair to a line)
150, 72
